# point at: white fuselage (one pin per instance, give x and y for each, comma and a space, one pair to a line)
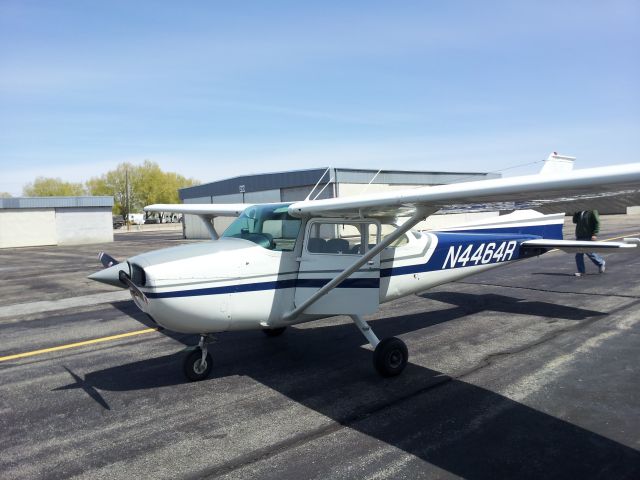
235, 284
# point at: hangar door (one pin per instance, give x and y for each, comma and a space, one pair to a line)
331, 246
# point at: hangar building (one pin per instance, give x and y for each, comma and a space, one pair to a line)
31, 221
295, 185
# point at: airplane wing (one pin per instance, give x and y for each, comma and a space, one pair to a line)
590, 187
207, 209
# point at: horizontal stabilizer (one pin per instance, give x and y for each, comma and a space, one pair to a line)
580, 246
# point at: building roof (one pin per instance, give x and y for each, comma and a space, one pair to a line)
299, 178
55, 202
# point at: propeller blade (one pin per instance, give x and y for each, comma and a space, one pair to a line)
107, 260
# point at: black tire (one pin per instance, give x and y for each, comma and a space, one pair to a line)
274, 332
390, 357
192, 368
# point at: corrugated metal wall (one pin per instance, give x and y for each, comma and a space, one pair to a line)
26, 227
79, 226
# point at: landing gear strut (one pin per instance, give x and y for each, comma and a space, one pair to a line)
198, 363
390, 355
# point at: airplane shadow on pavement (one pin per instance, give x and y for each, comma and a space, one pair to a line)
462, 428
475, 303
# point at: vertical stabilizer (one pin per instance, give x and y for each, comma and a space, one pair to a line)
555, 164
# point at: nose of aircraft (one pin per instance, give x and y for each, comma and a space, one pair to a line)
111, 275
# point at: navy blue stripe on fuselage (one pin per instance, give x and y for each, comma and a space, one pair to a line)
260, 286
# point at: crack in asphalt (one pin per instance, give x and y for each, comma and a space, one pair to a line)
492, 357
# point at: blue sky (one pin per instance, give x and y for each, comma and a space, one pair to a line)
215, 89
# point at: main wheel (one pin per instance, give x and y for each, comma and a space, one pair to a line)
390, 357
194, 369
274, 332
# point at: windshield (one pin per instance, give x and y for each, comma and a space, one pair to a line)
269, 226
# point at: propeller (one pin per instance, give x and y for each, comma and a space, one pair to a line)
110, 274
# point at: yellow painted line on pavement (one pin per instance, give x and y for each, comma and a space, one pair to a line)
628, 235
78, 344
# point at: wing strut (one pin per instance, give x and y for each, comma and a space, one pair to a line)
208, 223
419, 215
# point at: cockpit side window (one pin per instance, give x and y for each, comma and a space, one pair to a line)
269, 226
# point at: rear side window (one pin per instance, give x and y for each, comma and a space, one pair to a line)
342, 238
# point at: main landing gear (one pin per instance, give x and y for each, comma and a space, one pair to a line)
198, 363
390, 355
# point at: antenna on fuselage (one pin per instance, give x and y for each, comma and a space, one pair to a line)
318, 183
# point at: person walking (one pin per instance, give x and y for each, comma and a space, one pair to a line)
587, 227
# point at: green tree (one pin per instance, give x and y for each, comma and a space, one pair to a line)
148, 184
5, 195
114, 183
52, 187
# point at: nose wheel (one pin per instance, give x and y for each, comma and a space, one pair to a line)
198, 363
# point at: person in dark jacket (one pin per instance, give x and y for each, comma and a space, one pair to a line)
587, 228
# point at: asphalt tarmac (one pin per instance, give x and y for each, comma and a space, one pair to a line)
521, 372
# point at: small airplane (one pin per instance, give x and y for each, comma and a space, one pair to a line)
282, 264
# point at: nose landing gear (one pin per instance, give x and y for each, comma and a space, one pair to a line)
198, 363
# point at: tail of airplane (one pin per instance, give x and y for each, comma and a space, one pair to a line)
555, 164
526, 222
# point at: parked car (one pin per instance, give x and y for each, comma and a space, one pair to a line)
136, 218
118, 221
151, 220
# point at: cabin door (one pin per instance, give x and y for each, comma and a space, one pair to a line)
331, 246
